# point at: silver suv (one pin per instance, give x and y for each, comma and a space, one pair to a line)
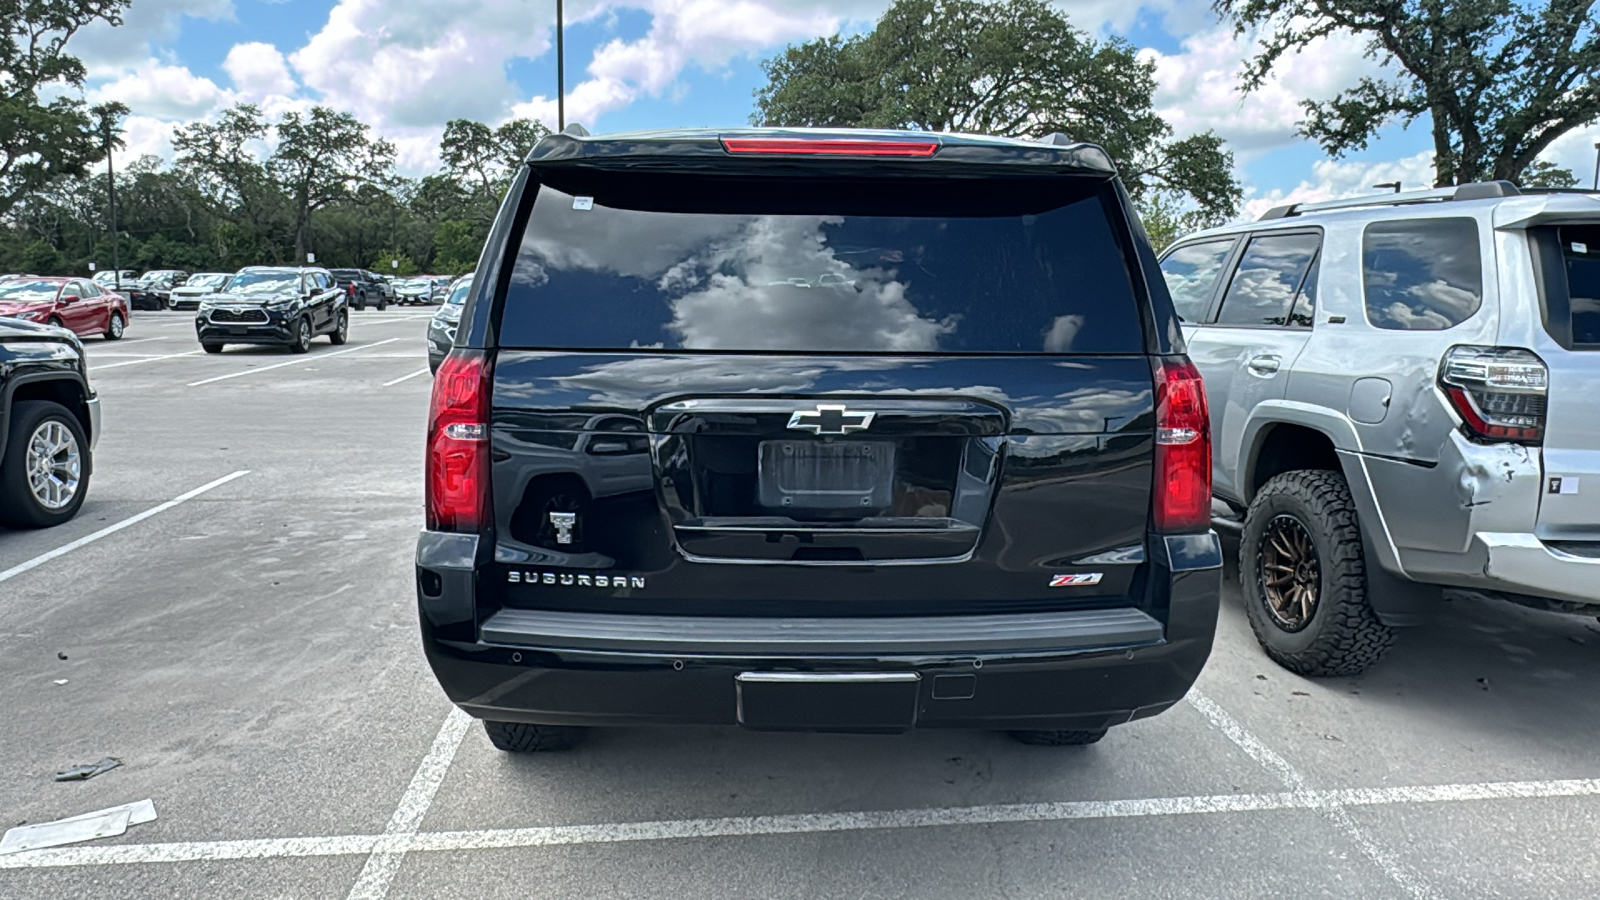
1405, 395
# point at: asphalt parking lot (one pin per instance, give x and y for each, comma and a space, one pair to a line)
245, 643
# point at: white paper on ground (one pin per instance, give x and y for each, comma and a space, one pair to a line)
105, 823
86, 827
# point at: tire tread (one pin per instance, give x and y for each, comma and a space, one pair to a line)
1350, 638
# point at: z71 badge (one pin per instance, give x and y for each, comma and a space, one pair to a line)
1075, 580
573, 579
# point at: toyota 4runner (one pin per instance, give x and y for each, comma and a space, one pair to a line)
1407, 396
816, 430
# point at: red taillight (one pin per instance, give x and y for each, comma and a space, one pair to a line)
457, 481
352, 289
830, 147
1499, 392
1183, 449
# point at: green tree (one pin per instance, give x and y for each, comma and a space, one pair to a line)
40, 142
1014, 68
1499, 80
483, 159
219, 162
322, 157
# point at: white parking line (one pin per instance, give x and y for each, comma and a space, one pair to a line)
803, 823
1335, 812
406, 377
293, 362
381, 866
134, 362
114, 528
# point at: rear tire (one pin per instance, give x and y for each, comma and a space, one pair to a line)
19, 506
211, 348
521, 737
1341, 635
114, 327
1058, 738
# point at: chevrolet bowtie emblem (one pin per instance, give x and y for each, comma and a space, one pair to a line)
830, 418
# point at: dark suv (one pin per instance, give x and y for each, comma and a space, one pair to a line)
817, 430
279, 305
49, 421
361, 287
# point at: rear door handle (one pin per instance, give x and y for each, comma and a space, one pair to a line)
1264, 364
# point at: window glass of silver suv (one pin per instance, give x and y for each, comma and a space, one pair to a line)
1421, 274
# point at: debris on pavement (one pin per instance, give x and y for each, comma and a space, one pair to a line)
86, 772
86, 827
59, 681
1484, 682
61, 656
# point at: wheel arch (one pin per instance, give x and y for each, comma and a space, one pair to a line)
57, 387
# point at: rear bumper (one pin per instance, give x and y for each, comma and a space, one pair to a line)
1086, 669
1519, 563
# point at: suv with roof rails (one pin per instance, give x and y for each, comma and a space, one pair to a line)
1406, 396
817, 430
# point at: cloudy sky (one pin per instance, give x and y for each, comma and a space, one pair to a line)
407, 66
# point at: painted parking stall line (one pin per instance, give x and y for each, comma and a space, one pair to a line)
1333, 810
802, 823
64, 549
406, 377
134, 362
390, 851
293, 362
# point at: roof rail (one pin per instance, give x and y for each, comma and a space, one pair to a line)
1481, 190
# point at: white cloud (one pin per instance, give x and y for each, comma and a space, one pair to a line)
1575, 150
258, 71
156, 89
1198, 88
144, 136
108, 50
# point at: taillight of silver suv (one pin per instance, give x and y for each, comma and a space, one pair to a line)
1499, 392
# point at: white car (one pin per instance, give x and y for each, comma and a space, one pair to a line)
188, 295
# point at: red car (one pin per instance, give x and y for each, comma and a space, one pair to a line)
77, 304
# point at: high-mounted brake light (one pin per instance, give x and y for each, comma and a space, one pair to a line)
457, 482
829, 147
1499, 392
1182, 499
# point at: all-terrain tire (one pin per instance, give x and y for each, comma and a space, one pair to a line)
521, 737
1058, 738
1343, 635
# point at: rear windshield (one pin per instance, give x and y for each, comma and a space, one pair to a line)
689, 262
1580, 249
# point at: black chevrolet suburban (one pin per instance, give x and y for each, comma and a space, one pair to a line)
816, 430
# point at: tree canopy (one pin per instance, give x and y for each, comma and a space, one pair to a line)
1499, 80
1013, 68
39, 141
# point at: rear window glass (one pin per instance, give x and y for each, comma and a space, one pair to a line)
1580, 249
1266, 286
689, 262
1421, 274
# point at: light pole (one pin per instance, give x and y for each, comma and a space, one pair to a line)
1597, 165
561, 75
111, 189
